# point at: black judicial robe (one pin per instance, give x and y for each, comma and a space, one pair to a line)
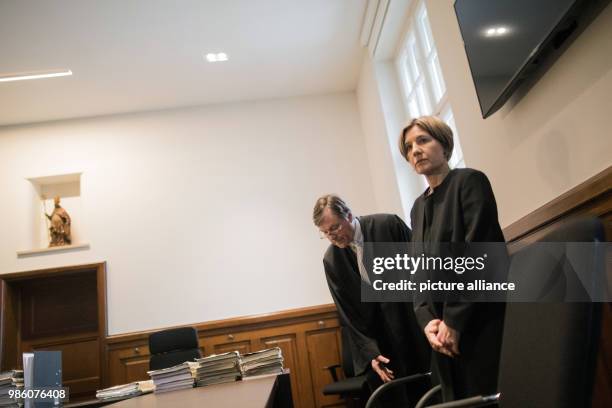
462, 209
383, 328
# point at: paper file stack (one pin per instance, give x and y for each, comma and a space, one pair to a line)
218, 368
269, 361
124, 391
10, 380
174, 378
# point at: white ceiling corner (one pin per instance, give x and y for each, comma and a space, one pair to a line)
139, 55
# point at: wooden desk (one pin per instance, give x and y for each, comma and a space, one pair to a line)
255, 393
93, 403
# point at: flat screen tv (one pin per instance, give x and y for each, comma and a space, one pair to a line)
508, 41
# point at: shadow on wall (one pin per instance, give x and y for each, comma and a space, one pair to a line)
575, 72
554, 159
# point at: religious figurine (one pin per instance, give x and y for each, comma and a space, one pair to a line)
60, 225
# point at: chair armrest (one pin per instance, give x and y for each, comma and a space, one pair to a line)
421, 402
478, 401
392, 384
333, 370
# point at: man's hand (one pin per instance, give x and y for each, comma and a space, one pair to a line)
449, 338
378, 365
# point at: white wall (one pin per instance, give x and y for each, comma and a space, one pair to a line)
533, 150
396, 185
380, 162
200, 213
555, 137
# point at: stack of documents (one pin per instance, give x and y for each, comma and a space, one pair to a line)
125, 390
218, 368
10, 380
269, 361
174, 378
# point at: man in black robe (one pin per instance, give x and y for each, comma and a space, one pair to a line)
385, 337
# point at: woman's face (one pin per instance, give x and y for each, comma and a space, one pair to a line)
425, 154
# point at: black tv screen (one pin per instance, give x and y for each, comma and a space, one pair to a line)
503, 37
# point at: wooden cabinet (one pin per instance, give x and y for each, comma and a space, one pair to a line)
308, 337
128, 362
62, 309
80, 362
323, 348
222, 343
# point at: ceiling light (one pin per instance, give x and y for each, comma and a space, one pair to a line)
211, 57
496, 31
501, 30
35, 75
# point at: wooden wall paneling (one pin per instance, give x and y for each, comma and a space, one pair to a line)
256, 322
128, 363
202, 345
9, 329
287, 330
323, 347
592, 197
287, 343
80, 362
228, 342
60, 309
313, 375
287, 338
303, 375
102, 321
59, 305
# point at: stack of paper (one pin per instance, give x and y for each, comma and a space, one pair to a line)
174, 378
218, 368
10, 381
269, 361
125, 390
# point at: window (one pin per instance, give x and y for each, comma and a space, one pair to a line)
423, 87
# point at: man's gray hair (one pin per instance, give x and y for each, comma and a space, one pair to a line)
337, 205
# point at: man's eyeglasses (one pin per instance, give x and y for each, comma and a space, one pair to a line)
333, 230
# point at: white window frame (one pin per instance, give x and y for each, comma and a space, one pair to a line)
423, 87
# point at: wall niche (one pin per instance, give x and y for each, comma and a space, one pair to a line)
44, 190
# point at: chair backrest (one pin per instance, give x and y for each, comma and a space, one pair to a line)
549, 349
172, 347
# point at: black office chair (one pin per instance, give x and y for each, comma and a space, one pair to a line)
549, 349
172, 347
354, 388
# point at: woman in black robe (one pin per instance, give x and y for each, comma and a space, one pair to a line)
457, 207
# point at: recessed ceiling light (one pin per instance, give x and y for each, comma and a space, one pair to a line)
501, 30
219, 57
496, 31
35, 75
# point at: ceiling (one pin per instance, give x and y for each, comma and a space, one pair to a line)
139, 55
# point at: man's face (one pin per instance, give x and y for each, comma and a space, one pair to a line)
339, 231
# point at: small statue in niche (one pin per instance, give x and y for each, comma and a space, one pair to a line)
60, 225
